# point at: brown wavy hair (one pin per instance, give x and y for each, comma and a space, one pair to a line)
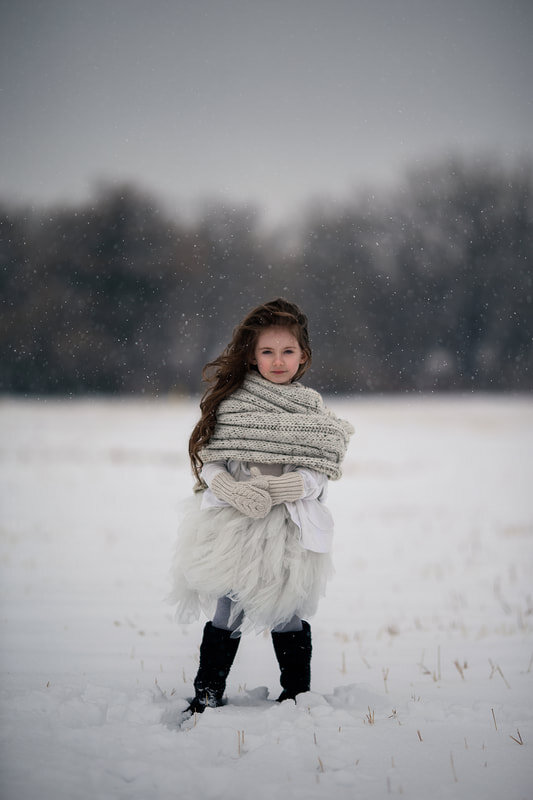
227, 372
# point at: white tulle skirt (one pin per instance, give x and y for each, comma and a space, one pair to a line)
259, 564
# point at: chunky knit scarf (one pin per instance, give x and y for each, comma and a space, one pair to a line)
268, 423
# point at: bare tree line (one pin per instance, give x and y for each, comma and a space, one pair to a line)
427, 289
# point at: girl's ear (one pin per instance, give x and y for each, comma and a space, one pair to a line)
303, 358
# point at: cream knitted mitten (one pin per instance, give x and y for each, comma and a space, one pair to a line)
249, 497
286, 488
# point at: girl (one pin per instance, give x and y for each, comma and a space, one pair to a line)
253, 550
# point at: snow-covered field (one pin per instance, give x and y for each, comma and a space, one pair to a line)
423, 647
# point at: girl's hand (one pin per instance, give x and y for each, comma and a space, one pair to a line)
283, 489
287, 488
251, 497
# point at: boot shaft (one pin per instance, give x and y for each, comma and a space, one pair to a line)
217, 653
293, 651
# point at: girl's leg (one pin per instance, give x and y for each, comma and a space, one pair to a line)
293, 651
294, 624
222, 616
217, 653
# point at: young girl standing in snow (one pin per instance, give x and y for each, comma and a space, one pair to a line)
253, 549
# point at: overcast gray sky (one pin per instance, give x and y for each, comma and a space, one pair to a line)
267, 101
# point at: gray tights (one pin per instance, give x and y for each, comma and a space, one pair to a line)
223, 614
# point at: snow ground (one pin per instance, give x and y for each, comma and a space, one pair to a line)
423, 647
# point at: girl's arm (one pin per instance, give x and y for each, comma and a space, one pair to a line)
251, 498
295, 485
211, 469
288, 488
315, 483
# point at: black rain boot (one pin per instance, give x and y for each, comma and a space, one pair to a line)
217, 653
293, 651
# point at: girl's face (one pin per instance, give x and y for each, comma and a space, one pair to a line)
278, 355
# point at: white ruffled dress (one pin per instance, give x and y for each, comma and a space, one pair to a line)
271, 568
